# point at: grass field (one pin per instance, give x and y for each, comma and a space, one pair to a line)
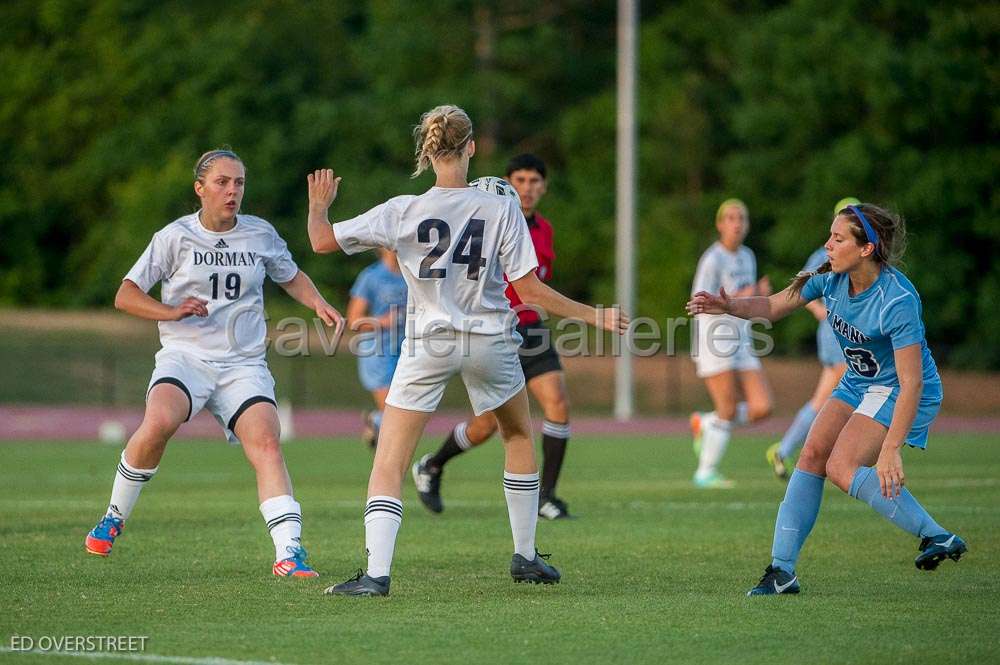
653, 570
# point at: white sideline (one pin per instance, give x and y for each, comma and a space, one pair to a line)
142, 657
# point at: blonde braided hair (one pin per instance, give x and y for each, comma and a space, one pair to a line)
443, 133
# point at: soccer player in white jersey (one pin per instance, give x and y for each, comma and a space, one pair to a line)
888, 397
830, 357
211, 266
721, 346
454, 244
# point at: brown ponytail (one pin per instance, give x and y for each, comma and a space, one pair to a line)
888, 226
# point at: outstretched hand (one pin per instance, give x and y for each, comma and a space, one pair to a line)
323, 186
704, 302
614, 320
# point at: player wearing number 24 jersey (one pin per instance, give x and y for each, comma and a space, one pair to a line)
454, 244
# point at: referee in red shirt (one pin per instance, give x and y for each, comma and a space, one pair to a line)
542, 369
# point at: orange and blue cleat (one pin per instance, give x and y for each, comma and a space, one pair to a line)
102, 537
295, 565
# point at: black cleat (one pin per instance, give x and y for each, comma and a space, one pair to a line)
536, 572
552, 508
428, 484
935, 550
361, 585
775, 581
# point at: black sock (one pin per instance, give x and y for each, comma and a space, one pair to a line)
448, 449
555, 436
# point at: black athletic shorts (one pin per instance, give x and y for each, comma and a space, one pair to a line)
537, 352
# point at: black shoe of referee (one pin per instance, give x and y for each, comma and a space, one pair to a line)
428, 482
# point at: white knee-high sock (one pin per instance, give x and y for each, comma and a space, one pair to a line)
715, 438
283, 516
129, 481
521, 491
383, 515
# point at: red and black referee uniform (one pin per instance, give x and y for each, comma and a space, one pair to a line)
538, 355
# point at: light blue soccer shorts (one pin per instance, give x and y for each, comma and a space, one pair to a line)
827, 347
879, 402
375, 370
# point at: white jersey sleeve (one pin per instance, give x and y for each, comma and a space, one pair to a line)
366, 231
706, 277
154, 264
517, 252
278, 263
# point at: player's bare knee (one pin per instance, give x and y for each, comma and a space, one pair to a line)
726, 411
811, 461
839, 472
557, 409
480, 431
158, 425
759, 410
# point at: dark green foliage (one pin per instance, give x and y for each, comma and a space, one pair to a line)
790, 106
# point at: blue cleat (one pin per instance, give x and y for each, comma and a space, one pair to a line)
936, 549
295, 565
774, 582
102, 537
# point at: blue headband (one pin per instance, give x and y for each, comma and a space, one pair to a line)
869, 231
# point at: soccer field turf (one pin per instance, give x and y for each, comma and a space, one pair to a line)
653, 570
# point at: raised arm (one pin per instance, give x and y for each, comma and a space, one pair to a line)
774, 307
301, 288
532, 290
322, 192
133, 300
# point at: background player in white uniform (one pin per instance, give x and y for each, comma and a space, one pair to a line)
830, 357
722, 345
454, 244
211, 266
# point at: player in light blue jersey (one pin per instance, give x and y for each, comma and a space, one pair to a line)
377, 309
830, 357
888, 397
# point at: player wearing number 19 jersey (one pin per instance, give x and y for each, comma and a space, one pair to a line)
211, 267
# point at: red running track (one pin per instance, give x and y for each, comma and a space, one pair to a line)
75, 423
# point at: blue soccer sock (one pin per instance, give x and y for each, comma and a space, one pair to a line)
797, 431
796, 517
904, 510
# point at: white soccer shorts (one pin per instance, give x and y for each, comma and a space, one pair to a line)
717, 349
225, 390
489, 366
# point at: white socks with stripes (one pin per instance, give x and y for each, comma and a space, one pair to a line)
521, 490
129, 481
462, 435
283, 516
383, 515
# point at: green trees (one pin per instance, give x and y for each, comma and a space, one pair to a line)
790, 106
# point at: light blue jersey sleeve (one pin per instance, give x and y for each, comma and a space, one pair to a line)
815, 287
902, 322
